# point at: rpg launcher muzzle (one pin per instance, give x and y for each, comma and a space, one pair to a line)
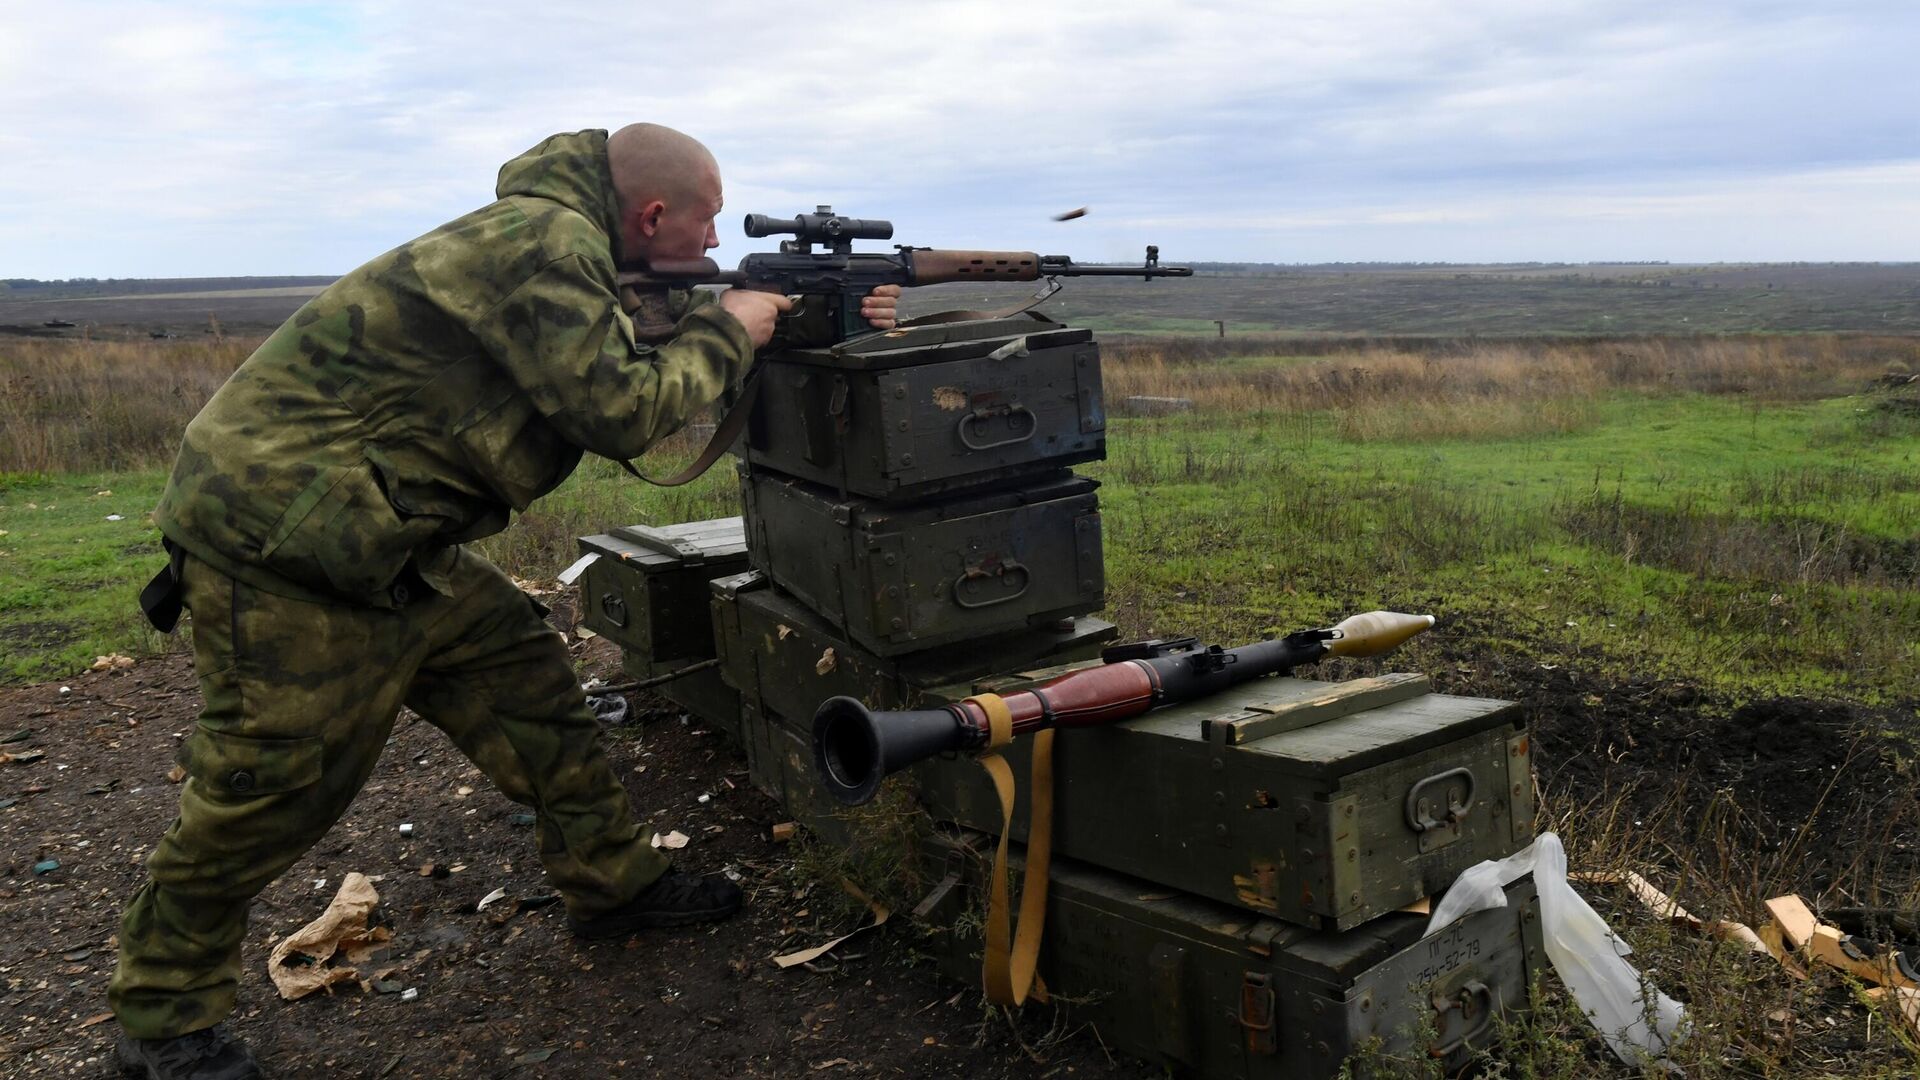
855, 748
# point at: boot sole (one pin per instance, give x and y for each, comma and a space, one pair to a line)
597, 929
130, 1064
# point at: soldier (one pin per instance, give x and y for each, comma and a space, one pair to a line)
315, 519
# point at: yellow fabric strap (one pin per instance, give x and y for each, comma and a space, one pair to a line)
1009, 962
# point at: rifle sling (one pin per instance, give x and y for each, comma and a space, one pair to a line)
723, 436
936, 318
1010, 959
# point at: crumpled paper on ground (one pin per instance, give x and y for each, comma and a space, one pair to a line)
299, 964
805, 956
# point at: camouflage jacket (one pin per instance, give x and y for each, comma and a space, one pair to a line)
425, 396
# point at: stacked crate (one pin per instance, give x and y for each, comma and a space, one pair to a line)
1229, 872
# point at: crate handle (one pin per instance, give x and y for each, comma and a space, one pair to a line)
614, 608
1257, 1012
1417, 817
975, 573
978, 415
1464, 1000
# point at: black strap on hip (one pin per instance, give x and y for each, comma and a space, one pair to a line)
160, 601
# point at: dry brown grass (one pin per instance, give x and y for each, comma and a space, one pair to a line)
1464, 389
98, 406
90, 406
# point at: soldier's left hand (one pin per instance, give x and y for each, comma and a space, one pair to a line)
877, 307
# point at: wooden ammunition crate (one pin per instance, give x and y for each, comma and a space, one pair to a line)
648, 594
932, 408
1204, 989
906, 578
648, 590
1212, 990
784, 657
1322, 804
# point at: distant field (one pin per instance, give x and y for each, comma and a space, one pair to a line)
1488, 301
1445, 300
1694, 559
301, 292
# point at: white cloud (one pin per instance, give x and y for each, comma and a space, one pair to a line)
254, 137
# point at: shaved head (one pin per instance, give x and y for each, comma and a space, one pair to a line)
667, 186
651, 161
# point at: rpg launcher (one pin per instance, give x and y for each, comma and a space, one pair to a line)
854, 748
832, 281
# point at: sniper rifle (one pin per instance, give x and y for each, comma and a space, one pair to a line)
831, 282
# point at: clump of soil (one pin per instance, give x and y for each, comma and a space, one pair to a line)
1821, 797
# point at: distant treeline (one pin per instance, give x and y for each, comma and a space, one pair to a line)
60, 288
1280, 268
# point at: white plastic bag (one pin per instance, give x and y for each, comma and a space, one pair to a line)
1586, 952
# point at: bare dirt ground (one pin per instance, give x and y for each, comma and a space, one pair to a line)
508, 992
502, 992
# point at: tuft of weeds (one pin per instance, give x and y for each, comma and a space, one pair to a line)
879, 848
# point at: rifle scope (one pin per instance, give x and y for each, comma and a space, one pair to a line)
822, 227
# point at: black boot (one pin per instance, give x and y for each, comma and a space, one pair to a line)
674, 899
208, 1054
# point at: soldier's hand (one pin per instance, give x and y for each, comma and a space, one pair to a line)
756, 311
877, 307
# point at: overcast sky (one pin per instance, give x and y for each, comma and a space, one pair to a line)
220, 138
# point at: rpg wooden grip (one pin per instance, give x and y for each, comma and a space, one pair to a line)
932, 266
1090, 696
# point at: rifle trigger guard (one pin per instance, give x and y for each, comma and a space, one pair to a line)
1009, 411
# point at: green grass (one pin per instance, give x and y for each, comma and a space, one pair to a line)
1753, 548
69, 578
1251, 524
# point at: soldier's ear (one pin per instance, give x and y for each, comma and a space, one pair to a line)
648, 216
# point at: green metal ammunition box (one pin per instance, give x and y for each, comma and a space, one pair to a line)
785, 658
932, 409
648, 590
904, 578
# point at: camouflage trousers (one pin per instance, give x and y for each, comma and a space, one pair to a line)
300, 700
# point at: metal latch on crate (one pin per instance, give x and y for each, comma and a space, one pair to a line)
1476, 1005
1437, 817
1257, 1012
